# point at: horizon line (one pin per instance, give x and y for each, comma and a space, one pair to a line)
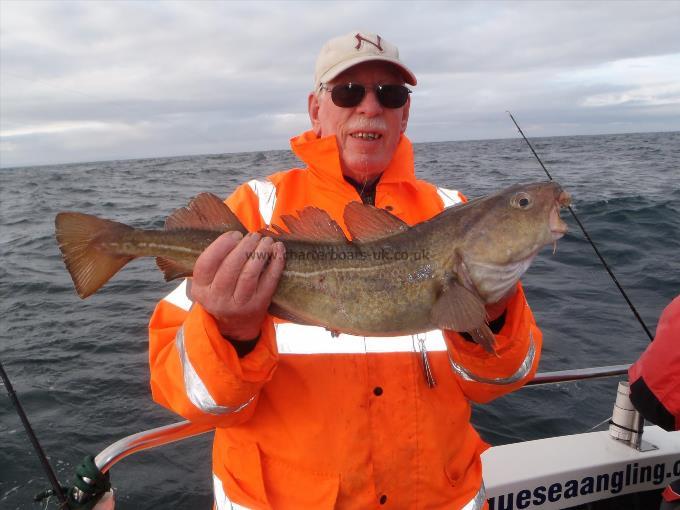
146, 158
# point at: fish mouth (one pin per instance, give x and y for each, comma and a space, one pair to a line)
564, 199
558, 227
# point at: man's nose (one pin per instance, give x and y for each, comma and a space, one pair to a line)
370, 105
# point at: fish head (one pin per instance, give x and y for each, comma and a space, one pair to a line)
510, 227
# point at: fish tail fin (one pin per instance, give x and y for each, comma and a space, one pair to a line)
80, 237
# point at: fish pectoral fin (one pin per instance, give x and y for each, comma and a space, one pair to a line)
311, 224
172, 269
206, 212
367, 223
460, 309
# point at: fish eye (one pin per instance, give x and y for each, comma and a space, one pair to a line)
521, 201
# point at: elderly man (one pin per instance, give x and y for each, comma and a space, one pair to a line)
305, 419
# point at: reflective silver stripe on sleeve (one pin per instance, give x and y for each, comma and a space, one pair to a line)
195, 388
266, 196
222, 502
449, 196
180, 296
477, 503
521, 372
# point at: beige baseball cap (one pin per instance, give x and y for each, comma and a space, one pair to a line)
341, 53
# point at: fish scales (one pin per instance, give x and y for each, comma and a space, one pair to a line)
362, 289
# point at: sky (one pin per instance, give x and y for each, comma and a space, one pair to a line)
100, 80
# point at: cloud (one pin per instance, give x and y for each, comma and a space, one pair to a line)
112, 80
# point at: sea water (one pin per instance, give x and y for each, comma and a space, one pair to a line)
81, 367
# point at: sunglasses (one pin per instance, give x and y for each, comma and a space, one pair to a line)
349, 95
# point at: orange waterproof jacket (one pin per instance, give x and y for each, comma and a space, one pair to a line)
655, 377
311, 421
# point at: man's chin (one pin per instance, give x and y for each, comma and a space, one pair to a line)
364, 167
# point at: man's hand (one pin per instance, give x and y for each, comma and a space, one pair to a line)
234, 282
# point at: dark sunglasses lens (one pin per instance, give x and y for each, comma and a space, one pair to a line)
347, 96
392, 96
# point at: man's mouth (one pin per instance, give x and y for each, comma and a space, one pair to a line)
366, 135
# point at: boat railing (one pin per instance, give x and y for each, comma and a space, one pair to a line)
147, 439
185, 429
578, 374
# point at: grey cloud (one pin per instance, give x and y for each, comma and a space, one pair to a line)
531, 35
155, 79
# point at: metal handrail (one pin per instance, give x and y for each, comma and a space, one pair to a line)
185, 429
579, 374
148, 439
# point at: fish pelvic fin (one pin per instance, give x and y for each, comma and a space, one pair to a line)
484, 337
80, 238
459, 309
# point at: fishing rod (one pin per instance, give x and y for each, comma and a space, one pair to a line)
57, 489
588, 238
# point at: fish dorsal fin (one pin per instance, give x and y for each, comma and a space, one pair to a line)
206, 212
460, 309
367, 223
311, 224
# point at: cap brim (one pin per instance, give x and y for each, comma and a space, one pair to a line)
334, 71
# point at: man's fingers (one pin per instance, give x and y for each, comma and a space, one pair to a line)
210, 260
226, 277
251, 271
272, 274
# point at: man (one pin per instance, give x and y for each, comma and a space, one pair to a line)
655, 384
305, 419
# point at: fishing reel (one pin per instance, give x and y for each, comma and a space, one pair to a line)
89, 487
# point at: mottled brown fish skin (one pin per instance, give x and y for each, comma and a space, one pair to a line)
183, 246
393, 292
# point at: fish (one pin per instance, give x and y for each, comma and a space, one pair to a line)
385, 279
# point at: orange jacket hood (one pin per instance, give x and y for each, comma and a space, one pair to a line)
322, 157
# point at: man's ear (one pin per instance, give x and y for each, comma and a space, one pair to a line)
313, 109
405, 114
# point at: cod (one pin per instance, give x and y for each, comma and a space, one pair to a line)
386, 279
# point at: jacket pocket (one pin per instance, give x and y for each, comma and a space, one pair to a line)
255, 480
465, 466
293, 487
241, 476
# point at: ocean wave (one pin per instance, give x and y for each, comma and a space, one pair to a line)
86, 361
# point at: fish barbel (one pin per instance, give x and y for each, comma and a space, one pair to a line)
389, 279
